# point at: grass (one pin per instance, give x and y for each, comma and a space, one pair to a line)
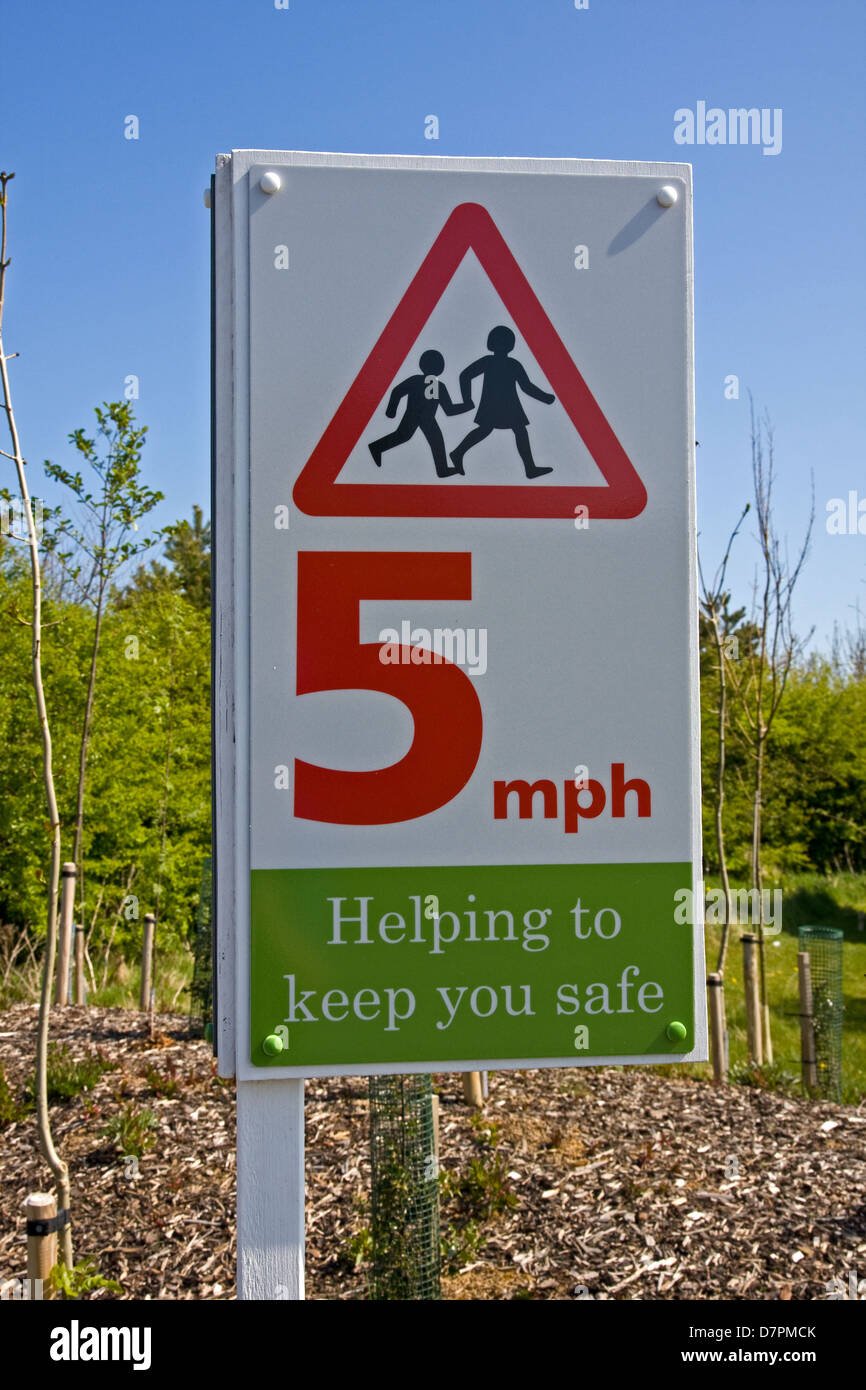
172, 977
808, 900
67, 1076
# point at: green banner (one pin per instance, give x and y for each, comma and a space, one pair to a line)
357, 967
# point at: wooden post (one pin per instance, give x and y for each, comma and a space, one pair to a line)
41, 1249
766, 1031
433, 1171
808, 1061
751, 989
69, 874
79, 964
146, 961
472, 1092
767, 1034
270, 1220
716, 988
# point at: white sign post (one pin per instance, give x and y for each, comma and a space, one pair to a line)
456, 677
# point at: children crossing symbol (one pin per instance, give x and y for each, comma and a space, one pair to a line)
317, 490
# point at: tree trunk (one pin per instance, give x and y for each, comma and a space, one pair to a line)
43, 1121
758, 883
82, 754
720, 798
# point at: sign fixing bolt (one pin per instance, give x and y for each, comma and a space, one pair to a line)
676, 1031
273, 1045
270, 182
666, 197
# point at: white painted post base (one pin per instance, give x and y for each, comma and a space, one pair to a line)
270, 1189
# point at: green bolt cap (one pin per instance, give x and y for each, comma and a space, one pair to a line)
273, 1045
676, 1031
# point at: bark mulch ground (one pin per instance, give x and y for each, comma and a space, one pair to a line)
571, 1184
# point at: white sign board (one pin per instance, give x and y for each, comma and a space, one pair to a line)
457, 720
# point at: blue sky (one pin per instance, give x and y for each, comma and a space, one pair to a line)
110, 238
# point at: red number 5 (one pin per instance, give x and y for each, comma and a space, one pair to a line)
440, 698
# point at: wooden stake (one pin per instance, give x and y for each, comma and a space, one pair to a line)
751, 989
69, 873
434, 1102
808, 1061
716, 988
768, 1036
146, 961
434, 1225
472, 1091
41, 1250
79, 965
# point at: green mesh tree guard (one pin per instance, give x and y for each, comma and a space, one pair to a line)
405, 1189
201, 989
824, 945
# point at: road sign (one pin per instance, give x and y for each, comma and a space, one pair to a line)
468, 228
457, 752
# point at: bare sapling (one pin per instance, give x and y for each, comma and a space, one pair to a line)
760, 678
46, 1142
714, 604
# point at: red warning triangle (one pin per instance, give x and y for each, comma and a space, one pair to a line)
469, 227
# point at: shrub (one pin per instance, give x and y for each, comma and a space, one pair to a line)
130, 1131
459, 1245
67, 1077
360, 1246
481, 1191
768, 1076
162, 1084
81, 1279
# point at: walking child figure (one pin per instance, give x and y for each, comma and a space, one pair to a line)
424, 394
500, 408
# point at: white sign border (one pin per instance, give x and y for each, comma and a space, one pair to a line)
231, 598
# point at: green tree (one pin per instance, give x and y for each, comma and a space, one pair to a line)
187, 550
151, 759
149, 772
67, 634
816, 802
100, 531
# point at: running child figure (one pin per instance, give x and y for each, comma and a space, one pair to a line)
424, 394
